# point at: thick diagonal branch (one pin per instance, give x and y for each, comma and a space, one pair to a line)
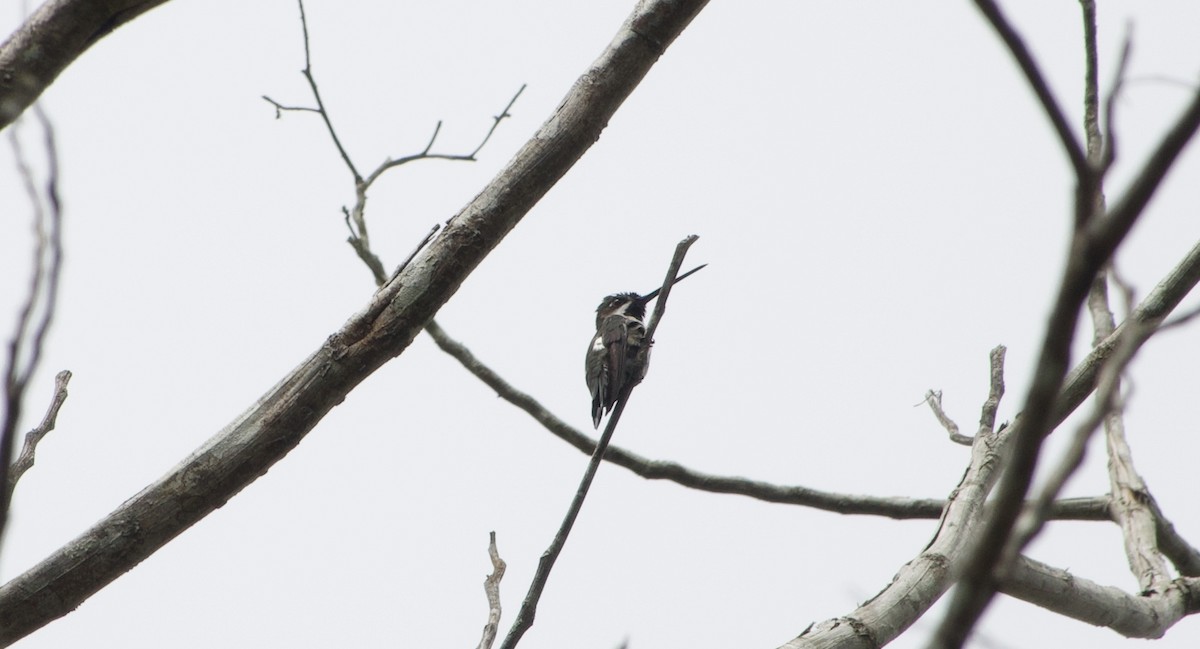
276, 422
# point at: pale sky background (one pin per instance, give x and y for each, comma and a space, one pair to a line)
878, 196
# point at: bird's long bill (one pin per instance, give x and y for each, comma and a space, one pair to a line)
653, 294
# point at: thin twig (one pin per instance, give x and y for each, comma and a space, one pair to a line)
1110, 104
528, 610
355, 217
491, 587
280, 108
934, 399
312, 83
412, 255
1091, 86
426, 155
34, 437
987, 414
660, 304
1165, 80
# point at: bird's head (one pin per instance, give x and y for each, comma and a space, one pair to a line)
630, 304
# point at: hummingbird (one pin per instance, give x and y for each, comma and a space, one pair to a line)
619, 353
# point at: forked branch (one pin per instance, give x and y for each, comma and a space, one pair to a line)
1096, 237
355, 217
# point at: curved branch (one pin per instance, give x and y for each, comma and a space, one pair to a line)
383, 329
49, 40
897, 507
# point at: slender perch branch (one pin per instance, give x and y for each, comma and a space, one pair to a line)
528, 610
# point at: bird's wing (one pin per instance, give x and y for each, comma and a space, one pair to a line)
614, 333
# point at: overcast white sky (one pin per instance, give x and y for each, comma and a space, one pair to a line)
878, 196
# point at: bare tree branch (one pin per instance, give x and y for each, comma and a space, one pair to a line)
412, 255
1129, 493
925, 578
491, 587
467, 157
922, 580
897, 507
987, 414
875, 621
1183, 556
49, 40
383, 329
1095, 239
356, 220
528, 610
1016, 47
1146, 615
1106, 408
934, 399
25, 460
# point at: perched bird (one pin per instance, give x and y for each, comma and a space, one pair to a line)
619, 352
